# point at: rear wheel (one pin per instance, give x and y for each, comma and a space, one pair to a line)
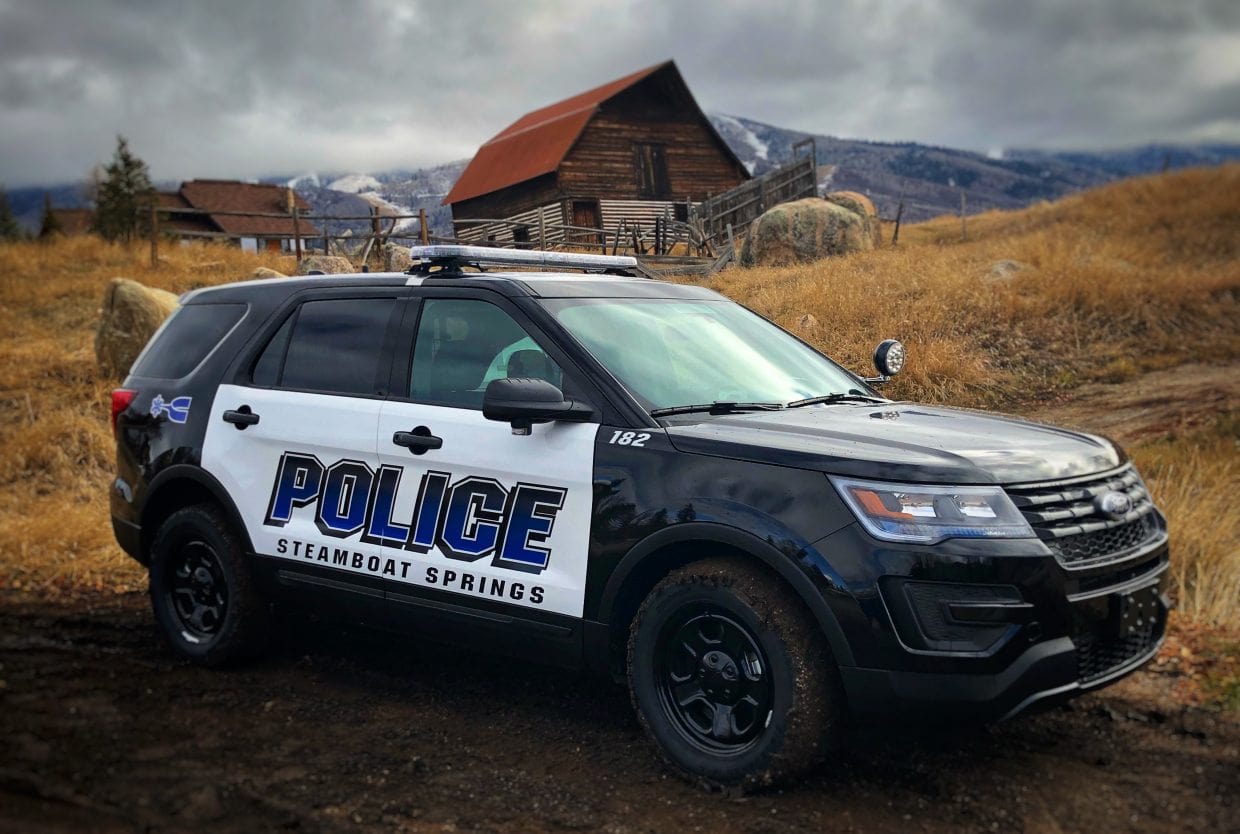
731, 676
201, 589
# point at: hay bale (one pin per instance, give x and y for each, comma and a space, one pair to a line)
860, 204
327, 264
803, 231
131, 314
264, 272
396, 258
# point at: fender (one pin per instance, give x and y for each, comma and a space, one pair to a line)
796, 572
169, 478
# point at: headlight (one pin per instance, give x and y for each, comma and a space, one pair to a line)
929, 514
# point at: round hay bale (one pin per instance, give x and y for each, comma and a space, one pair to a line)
396, 258
264, 272
130, 316
803, 231
327, 264
860, 204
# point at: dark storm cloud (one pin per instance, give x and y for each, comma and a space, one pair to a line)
237, 88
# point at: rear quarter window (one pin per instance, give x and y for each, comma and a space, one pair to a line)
187, 338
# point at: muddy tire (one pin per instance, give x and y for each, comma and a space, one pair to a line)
732, 677
202, 591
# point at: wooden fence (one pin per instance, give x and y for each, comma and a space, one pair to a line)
737, 207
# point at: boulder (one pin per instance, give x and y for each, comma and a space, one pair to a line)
327, 264
1005, 270
807, 322
264, 272
131, 314
396, 258
860, 204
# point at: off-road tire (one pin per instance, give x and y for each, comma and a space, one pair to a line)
240, 629
806, 710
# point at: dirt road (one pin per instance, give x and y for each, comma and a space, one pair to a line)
101, 729
1160, 403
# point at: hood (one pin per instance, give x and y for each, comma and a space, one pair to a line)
899, 442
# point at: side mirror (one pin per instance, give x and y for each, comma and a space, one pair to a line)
888, 360
523, 402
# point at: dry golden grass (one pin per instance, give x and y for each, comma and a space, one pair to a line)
56, 454
1140, 275
1194, 481
1137, 275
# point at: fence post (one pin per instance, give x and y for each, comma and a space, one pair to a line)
154, 235
731, 240
423, 233
964, 232
895, 236
297, 232
542, 231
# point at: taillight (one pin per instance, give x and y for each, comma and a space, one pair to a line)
121, 398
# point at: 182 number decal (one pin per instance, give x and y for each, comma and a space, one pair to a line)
629, 438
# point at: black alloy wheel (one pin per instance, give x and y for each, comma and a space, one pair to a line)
732, 676
198, 591
201, 589
714, 681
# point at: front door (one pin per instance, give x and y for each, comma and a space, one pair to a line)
586, 216
472, 513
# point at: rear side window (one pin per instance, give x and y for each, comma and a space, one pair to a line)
188, 337
333, 346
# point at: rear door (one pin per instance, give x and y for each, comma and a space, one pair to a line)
294, 443
476, 516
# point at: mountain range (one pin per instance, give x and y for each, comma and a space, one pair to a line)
927, 180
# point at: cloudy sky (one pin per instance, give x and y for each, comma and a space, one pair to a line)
243, 88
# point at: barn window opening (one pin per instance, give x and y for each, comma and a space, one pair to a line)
521, 236
650, 166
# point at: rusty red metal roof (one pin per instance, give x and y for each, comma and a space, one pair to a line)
537, 143
213, 196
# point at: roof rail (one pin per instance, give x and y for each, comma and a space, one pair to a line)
454, 257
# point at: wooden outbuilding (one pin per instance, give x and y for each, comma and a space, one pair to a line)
633, 150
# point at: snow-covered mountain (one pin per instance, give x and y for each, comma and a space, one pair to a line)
928, 180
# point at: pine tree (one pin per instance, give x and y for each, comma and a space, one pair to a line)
10, 229
122, 196
49, 225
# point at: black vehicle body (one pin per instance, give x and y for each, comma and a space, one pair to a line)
984, 627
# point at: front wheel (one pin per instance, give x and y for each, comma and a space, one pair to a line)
201, 589
732, 677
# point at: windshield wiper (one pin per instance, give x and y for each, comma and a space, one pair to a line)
717, 407
851, 396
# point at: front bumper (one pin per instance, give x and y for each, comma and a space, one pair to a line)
1011, 628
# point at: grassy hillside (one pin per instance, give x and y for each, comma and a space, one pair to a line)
1100, 287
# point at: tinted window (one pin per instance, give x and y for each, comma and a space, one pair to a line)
336, 345
271, 361
463, 345
188, 337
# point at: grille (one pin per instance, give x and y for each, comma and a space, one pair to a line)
1098, 655
1064, 516
1086, 547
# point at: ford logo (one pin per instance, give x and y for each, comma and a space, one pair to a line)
1113, 504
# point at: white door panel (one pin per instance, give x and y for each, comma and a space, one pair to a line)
301, 477
490, 514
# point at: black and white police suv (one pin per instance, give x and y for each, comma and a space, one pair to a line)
600, 470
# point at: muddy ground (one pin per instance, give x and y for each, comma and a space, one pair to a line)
101, 729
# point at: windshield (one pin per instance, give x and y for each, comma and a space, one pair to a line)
675, 352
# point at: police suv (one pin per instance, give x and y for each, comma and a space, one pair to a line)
600, 470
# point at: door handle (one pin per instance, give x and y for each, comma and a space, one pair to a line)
419, 441
241, 417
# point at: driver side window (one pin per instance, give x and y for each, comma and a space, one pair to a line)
462, 345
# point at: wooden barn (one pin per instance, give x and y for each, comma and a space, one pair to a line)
633, 150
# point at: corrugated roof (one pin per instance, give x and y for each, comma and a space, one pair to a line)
215, 196
537, 143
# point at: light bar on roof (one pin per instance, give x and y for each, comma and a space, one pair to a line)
519, 257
